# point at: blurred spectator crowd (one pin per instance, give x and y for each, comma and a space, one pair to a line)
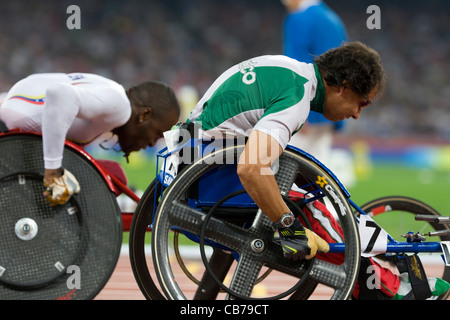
189, 43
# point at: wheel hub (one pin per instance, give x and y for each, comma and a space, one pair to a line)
257, 245
26, 229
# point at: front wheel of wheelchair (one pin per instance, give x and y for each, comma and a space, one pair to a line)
397, 215
243, 250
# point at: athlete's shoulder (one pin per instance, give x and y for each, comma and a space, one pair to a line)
71, 78
91, 77
305, 69
281, 61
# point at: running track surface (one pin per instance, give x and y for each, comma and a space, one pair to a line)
123, 286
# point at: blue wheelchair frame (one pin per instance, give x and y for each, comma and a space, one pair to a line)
227, 176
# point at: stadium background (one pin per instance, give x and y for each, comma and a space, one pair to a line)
400, 146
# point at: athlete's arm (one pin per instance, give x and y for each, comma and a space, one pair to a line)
80, 114
260, 153
257, 178
60, 110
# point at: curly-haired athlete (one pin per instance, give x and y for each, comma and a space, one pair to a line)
80, 107
268, 99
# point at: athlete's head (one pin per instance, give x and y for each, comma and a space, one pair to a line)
291, 5
353, 77
155, 109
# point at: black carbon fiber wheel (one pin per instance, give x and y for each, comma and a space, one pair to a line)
65, 252
255, 245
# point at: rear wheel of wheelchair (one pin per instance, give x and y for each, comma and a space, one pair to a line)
241, 251
65, 252
397, 215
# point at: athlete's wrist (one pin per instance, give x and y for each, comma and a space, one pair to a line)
285, 221
50, 174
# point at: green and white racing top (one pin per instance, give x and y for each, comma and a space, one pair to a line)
271, 94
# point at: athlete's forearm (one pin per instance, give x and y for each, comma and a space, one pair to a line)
257, 178
60, 109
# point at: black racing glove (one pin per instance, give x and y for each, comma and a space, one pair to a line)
294, 241
299, 242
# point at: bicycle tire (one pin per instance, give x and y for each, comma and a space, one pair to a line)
291, 163
412, 206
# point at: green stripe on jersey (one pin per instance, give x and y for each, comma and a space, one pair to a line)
265, 89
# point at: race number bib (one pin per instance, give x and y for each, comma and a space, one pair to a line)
170, 169
373, 237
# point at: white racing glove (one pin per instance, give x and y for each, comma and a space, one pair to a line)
61, 189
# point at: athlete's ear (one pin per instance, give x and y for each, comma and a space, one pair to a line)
145, 114
343, 87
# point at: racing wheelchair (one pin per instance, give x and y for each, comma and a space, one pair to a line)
205, 205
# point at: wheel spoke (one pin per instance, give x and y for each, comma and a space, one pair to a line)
262, 224
286, 173
329, 274
189, 219
246, 274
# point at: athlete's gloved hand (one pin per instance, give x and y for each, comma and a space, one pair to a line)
299, 242
61, 189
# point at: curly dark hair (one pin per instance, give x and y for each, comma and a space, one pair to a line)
355, 65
